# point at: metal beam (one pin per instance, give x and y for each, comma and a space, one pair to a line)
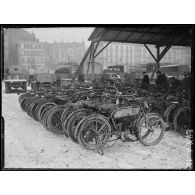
150, 52
102, 49
142, 31
164, 52
96, 47
142, 42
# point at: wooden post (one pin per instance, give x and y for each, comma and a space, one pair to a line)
92, 61
87, 73
94, 48
158, 58
80, 68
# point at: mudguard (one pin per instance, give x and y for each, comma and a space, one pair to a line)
168, 108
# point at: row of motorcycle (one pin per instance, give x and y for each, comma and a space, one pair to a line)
95, 117
175, 107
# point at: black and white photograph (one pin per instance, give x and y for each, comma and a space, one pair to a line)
97, 97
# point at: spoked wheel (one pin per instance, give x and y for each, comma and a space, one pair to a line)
73, 121
150, 130
182, 121
42, 110
94, 133
32, 105
36, 111
44, 115
23, 102
169, 114
29, 105
53, 120
64, 119
78, 127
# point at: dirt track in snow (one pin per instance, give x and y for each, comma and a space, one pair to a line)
29, 145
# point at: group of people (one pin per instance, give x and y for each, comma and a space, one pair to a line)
161, 81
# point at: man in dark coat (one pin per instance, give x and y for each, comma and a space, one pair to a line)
145, 80
164, 78
161, 80
186, 81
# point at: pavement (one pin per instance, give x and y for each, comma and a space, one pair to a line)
29, 145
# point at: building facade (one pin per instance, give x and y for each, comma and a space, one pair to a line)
64, 52
132, 55
11, 38
33, 56
43, 57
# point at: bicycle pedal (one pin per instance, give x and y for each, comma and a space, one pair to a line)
100, 151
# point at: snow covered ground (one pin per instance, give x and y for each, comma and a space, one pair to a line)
29, 145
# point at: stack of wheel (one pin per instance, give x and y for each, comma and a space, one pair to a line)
68, 119
54, 117
46, 111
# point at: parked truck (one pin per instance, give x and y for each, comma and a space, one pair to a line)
43, 80
15, 79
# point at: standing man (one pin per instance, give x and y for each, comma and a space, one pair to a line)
159, 78
186, 81
164, 79
145, 80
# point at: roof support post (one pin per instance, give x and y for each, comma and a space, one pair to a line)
79, 69
95, 48
158, 57
91, 56
88, 64
92, 60
157, 62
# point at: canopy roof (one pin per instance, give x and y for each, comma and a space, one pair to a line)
160, 35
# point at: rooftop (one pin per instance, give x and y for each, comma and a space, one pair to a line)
161, 35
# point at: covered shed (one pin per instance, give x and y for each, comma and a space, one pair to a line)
162, 36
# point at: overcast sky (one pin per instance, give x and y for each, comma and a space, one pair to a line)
62, 34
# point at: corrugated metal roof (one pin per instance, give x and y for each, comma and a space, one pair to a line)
178, 35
